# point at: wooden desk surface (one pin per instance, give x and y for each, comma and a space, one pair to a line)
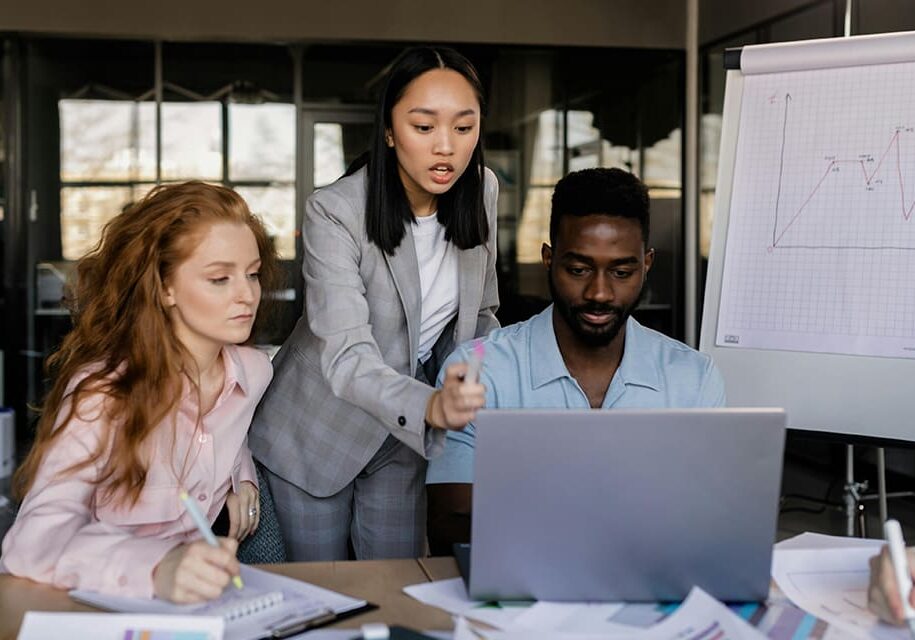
440, 568
381, 582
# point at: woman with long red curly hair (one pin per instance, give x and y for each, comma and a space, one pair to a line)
150, 397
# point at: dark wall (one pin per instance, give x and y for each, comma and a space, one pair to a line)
627, 23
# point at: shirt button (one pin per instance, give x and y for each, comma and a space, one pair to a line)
401, 421
122, 581
202, 497
202, 438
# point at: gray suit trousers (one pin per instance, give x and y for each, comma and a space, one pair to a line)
383, 511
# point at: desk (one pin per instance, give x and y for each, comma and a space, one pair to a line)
440, 568
378, 581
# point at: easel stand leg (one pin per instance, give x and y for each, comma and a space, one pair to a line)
853, 491
881, 486
882, 494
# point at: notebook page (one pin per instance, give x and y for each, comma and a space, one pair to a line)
268, 600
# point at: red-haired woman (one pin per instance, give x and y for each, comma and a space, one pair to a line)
151, 396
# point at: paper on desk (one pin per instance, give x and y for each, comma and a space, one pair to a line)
572, 617
777, 619
38, 625
700, 617
810, 540
354, 634
831, 583
451, 595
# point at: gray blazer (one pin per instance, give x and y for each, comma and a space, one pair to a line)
346, 376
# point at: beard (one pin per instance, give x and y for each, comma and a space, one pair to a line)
589, 334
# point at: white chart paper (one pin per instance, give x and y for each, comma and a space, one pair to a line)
821, 236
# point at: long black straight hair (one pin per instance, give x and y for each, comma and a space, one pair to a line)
460, 209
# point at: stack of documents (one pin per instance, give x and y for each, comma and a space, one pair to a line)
700, 616
821, 595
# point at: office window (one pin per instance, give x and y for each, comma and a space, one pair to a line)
192, 141
262, 166
107, 160
262, 142
107, 140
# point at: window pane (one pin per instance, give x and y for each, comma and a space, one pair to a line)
262, 142
276, 207
661, 166
329, 162
107, 140
545, 171
546, 164
336, 145
191, 141
587, 149
83, 213
535, 225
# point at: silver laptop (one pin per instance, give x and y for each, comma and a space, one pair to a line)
635, 505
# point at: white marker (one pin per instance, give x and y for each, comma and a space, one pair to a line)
894, 540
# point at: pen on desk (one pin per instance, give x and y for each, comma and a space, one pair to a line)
204, 527
894, 540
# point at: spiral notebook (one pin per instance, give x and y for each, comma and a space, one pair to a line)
270, 606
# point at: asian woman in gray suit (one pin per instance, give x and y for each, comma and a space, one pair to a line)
399, 268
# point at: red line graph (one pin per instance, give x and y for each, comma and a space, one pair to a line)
831, 168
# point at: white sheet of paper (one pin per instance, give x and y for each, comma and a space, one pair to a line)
40, 625
831, 583
571, 617
451, 595
822, 201
350, 634
810, 540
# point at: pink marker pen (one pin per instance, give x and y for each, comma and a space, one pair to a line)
475, 362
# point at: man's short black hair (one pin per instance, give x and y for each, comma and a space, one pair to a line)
611, 192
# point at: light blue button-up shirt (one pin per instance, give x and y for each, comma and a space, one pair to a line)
523, 369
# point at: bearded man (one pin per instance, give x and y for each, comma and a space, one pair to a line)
584, 350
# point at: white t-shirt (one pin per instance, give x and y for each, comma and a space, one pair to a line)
438, 279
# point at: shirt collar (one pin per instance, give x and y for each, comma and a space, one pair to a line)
637, 366
235, 372
543, 351
234, 377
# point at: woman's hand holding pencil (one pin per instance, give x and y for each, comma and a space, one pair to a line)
197, 571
